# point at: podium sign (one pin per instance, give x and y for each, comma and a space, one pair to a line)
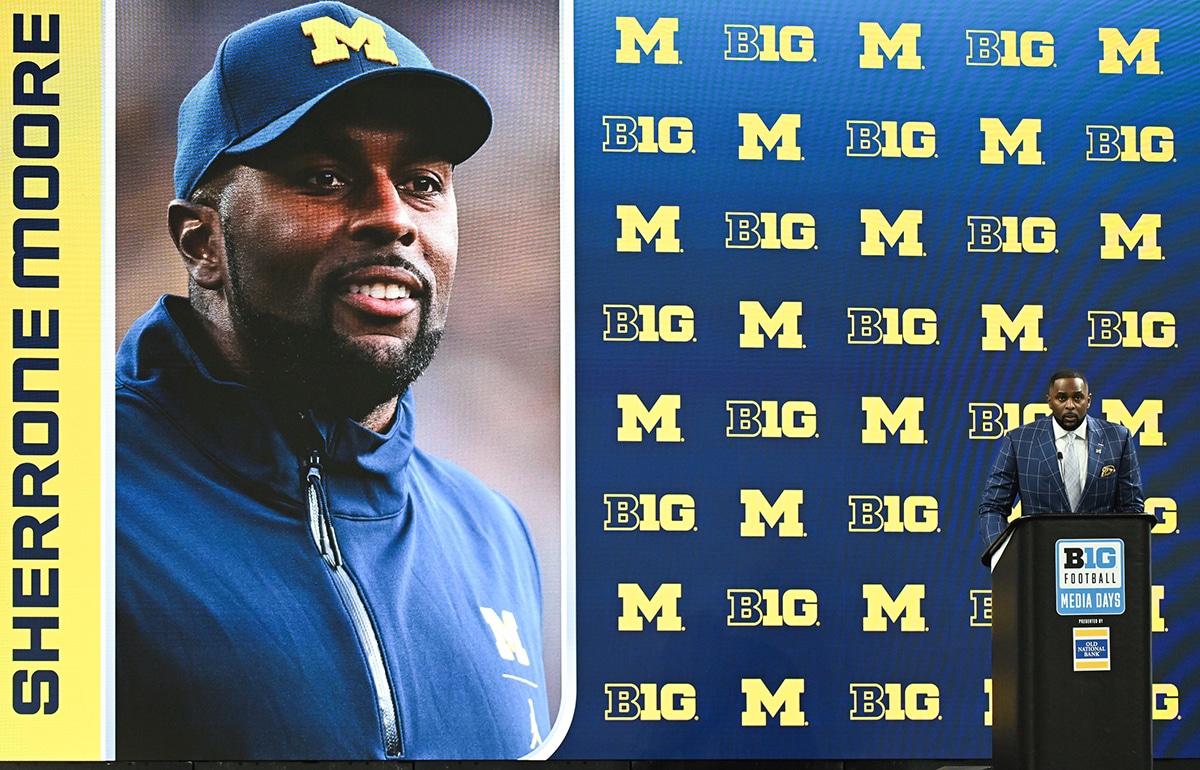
1071, 668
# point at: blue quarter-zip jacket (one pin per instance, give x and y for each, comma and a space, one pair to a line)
293, 587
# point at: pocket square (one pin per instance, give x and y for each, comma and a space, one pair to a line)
1107, 470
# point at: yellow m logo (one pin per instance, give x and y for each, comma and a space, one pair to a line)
332, 40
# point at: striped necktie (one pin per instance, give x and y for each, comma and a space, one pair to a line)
1070, 473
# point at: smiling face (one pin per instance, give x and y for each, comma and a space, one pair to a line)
339, 240
1069, 401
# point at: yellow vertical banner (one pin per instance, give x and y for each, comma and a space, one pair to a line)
53, 534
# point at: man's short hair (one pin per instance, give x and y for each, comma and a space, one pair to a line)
1066, 374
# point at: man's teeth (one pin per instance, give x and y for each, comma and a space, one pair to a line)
381, 290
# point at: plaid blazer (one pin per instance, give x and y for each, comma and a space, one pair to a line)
1027, 467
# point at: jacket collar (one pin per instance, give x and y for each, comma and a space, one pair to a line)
242, 430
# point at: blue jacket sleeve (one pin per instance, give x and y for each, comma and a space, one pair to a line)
1000, 491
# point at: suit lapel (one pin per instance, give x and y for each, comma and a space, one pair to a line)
1095, 442
1050, 455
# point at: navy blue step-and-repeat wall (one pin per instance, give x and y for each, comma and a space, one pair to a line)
825, 255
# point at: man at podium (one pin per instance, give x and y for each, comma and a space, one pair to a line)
1069, 464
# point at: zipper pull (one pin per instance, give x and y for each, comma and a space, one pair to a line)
319, 523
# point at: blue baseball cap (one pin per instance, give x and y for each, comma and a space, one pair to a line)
272, 72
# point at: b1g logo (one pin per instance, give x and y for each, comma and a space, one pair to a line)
1131, 329
645, 323
991, 420
891, 139
1153, 144
892, 326
891, 513
649, 513
792, 230
795, 607
1011, 235
770, 419
1008, 48
1091, 576
643, 133
893, 701
672, 702
765, 42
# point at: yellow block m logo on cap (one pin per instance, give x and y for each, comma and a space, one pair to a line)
333, 40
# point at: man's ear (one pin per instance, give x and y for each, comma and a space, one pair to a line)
196, 230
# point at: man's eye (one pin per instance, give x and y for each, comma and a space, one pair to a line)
423, 185
326, 180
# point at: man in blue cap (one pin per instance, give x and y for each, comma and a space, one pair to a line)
296, 580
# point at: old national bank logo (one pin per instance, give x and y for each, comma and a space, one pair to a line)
1091, 576
1092, 649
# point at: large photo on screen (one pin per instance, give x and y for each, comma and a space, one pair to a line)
314, 559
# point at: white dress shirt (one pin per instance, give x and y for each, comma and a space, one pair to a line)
1081, 448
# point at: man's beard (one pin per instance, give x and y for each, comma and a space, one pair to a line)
306, 364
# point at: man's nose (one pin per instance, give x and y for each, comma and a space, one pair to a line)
382, 215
